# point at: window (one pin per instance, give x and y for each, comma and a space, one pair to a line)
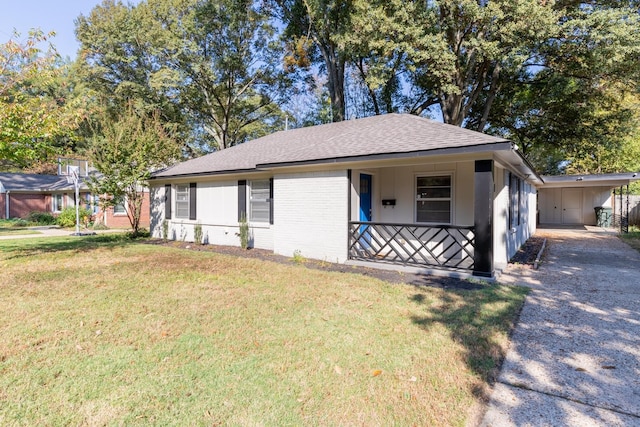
260, 201
433, 199
185, 200
515, 197
58, 202
182, 201
120, 207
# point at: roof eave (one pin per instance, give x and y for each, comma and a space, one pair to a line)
199, 174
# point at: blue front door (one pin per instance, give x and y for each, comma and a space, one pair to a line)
365, 209
365, 198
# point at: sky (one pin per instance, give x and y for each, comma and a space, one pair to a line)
48, 15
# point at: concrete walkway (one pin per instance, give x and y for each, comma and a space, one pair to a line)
54, 232
574, 358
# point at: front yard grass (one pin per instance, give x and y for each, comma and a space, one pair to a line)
105, 331
633, 237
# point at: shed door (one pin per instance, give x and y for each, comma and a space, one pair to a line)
572, 206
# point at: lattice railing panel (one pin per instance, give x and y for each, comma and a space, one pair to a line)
413, 244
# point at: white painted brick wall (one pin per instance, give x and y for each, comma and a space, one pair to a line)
310, 214
156, 205
216, 211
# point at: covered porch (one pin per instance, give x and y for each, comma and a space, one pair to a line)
436, 215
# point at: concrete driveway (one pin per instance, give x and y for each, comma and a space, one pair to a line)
574, 358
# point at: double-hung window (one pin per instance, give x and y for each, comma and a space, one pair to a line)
182, 201
433, 199
260, 201
58, 201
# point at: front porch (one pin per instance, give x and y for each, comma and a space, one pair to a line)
430, 217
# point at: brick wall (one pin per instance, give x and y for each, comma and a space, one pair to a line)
20, 205
122, 221
310, 215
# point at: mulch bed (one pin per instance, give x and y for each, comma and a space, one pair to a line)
526, 255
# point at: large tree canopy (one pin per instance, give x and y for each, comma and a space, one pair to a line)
37, 117
208, 65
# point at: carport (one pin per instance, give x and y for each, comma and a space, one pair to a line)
573, 199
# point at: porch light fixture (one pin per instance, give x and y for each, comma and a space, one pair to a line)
579, 178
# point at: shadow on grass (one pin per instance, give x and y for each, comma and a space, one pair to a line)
475, 319
21, 248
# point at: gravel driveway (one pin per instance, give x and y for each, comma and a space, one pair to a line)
575, 354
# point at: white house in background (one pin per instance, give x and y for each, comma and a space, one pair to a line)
391, 189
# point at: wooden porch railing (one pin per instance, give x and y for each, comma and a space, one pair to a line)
449, 247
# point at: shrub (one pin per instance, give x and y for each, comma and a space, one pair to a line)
244, 232
165, 229
20, 223
41, 218
67, 217
197, 233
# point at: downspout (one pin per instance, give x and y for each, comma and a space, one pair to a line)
6, 203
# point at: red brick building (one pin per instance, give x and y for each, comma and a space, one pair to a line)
21, 194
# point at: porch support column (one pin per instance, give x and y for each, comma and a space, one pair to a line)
483, 218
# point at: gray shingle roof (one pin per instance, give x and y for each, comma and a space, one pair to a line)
377, 135
35, 183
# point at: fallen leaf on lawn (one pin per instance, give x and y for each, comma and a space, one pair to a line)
608, 367
337, 369
581, 370
377, 372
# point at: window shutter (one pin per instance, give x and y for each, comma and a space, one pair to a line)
167, 201
242, 199
270, 200
192, 200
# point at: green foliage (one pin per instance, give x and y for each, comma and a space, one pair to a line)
35, 115
125, 150
165, 229
41, 218
67, 218
243, 232
210, 67
197, 233
298, 258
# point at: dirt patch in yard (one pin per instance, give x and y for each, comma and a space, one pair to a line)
385, 275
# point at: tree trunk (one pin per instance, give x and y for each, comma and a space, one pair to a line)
335, 79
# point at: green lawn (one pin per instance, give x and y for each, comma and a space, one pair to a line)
15, 226
105, 331
633, 237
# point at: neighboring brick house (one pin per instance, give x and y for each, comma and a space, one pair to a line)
21, 194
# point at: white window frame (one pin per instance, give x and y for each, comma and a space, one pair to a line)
515, 200
182, 204
449, 199
259, 199
55, 206
123, 203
